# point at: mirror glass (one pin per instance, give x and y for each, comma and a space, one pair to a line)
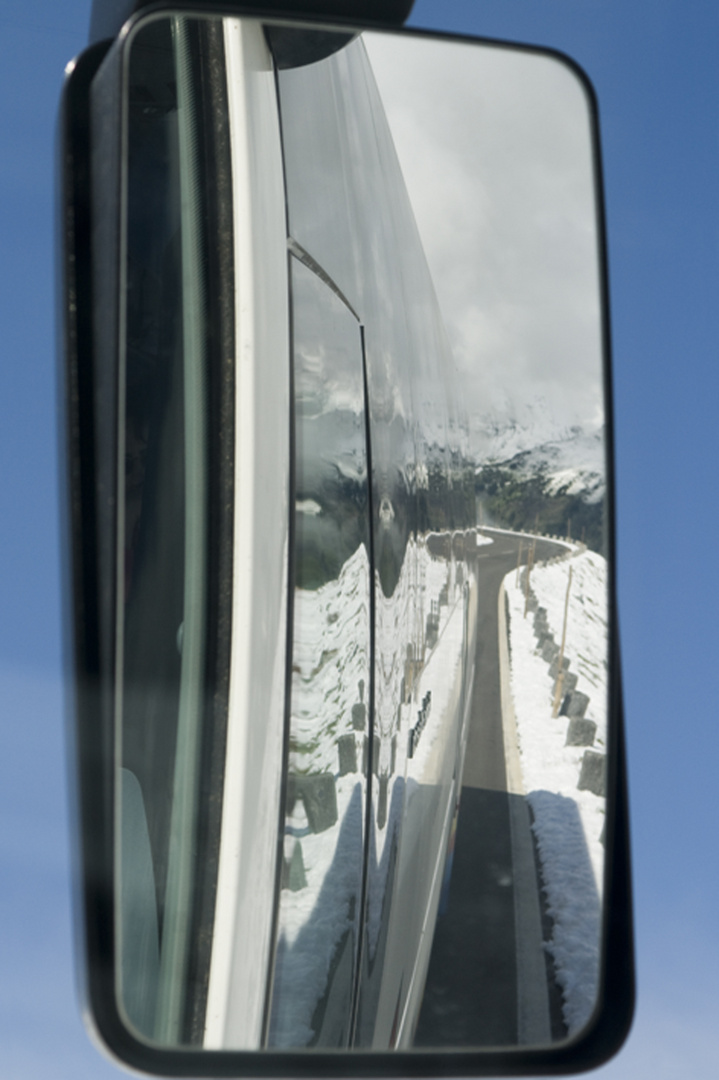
361, 583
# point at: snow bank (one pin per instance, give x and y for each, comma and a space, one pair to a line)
568, 823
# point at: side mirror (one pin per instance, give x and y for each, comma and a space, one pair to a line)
346, 709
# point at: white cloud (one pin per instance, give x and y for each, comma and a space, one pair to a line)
496, 152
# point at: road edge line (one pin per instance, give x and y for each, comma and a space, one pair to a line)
533, 1017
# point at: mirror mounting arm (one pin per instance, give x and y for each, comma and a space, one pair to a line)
108, 16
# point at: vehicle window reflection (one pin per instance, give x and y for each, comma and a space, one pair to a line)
326, 787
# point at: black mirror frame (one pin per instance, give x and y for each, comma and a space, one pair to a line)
89, 712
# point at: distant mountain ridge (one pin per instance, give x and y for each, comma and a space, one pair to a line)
570, 459
533, 475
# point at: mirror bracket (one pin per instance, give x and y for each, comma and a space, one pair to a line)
109, 16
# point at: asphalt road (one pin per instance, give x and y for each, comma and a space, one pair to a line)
488, 982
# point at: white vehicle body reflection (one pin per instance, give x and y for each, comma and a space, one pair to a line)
297, 907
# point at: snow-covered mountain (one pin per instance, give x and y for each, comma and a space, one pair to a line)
570, 458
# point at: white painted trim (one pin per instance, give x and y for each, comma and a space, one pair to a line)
242, 946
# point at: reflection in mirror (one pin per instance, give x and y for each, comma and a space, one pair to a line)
326, 786
361, 648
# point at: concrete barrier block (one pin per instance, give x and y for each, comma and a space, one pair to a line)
293, 870
581, 733
550, 649
570, 682
376, 754
593, 773
359, 716
554, 666
382, 802
347, 749
574, 705
318, 792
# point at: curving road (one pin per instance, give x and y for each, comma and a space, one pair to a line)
488, 982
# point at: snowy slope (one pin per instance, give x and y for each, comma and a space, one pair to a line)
568, 823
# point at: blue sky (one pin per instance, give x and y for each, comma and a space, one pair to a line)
653, 64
